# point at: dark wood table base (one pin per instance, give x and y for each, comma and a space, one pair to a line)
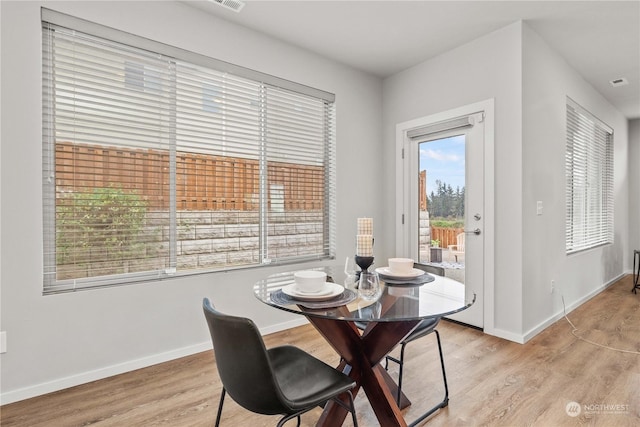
361, 356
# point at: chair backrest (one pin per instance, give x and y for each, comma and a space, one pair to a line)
433, 269
460, 241
243, 363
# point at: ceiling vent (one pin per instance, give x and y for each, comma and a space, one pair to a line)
235, 5
619, 82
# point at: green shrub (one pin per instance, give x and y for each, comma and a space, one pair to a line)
446, 223
106, 225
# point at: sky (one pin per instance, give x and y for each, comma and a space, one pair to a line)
443, 159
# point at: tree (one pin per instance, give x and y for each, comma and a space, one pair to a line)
445, 202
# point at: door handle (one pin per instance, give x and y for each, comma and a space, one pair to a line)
477, 231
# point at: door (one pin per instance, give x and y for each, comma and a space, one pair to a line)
443, 188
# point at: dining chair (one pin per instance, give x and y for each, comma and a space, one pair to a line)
282, 380
424, 328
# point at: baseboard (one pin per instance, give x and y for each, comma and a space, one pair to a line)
500, 333
299, 321
98, 374
109, 371
568, 309
507, 335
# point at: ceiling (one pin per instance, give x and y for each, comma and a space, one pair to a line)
600, 39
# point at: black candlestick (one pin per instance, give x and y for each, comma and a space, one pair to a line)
364, 262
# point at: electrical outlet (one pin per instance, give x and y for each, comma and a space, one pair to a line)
3, 342
553, 286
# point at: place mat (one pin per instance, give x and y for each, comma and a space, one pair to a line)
279, 297
414, 281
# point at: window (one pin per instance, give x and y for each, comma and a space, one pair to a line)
158, 161
589, 170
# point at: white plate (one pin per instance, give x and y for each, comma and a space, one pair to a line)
386, 271
324, 290
329, 291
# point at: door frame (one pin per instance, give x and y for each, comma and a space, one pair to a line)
403, 187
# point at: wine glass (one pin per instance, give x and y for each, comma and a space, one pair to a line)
350, 271
350, 266
369, 287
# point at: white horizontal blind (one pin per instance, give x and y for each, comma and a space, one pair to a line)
296, 130
589, 185
107, 146
154, 165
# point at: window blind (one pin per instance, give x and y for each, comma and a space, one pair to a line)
156, 165
425, 131
589, 180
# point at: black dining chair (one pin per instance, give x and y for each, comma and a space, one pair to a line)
424, 328
282, 380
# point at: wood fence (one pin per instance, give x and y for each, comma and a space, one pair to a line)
422, 190
446, 236
203, 182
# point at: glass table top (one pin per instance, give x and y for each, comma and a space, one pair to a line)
399, 299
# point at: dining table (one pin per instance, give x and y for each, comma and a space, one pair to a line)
385, 320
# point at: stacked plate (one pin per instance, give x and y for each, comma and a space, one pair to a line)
329, 290
386, 272
412, 277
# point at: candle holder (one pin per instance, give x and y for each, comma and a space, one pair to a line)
364, 262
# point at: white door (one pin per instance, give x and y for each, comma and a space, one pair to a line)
443, 197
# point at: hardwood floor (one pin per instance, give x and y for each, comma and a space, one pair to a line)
491, 381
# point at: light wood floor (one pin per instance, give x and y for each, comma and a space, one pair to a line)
491, 381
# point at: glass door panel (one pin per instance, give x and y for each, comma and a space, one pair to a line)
441, 203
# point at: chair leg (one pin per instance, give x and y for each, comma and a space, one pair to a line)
286, 418
444, 373
400, 363
353, 409
445, 401
400, 372
220, 406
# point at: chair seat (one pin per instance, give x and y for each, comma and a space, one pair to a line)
304, 380
424, 327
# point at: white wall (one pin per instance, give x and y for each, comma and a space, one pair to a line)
488, 67
547, 81
634, 184
61, 340
529, 83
